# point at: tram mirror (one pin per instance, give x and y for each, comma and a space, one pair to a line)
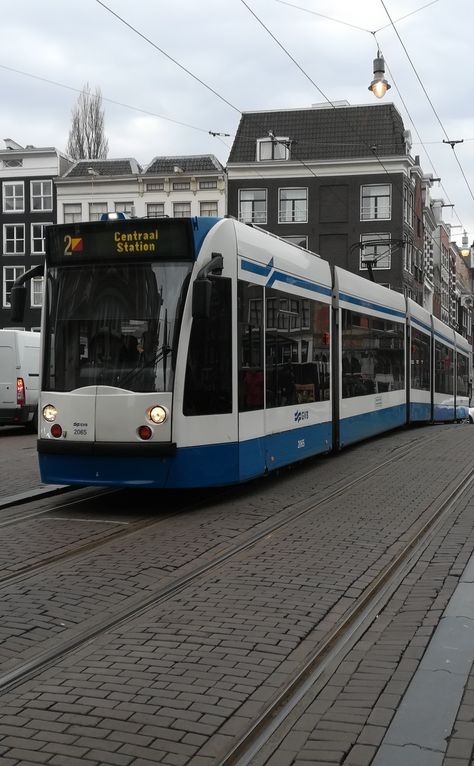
201, 306
17, 303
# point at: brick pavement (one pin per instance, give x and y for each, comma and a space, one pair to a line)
180, 684
19, 470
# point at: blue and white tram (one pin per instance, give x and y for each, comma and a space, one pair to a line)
204, 352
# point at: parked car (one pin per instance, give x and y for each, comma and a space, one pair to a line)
19, 378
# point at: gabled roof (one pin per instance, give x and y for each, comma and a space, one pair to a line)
188, 164
324, 133
120, 167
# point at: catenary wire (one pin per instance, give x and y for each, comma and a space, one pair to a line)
428, 98
132, 28
104, 98
391, 75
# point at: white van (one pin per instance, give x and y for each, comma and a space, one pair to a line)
19, 378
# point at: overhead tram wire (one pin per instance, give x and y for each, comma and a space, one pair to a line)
361, 29
414, 126
324, 95
222, 98
448, 141
111, 101
354, 26
150, 42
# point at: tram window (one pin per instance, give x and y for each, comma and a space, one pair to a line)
208, 382
420, 360
296, 350
444, 368
372, 355
250, 348
462, 378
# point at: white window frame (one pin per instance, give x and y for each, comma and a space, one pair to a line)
370, 211
292, 240
16, 163
36, 239
94, 215
18, 271
36, 295
153, 204
14, 196
156, 186
254, 217
15, 239
209, 202
42, 196
72, 216
279, 145
212, 184
179, 214
181, 185
294, 211
124, 207
383, 239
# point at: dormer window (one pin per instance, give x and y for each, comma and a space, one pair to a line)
273, 148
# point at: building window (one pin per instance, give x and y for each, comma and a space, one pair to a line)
96, 209
408, 206
375, 202
182, 209
181, 185
124, 207
13, 197
293, 206
253, 205
375, 247
208, 184
37, 238
10, 273
297, 240
208, 208
155, 209
36, 292
12, 163
273, 148
14, 239
155, 187
41, 195
72, 213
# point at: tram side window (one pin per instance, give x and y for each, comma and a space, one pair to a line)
296, 349
420, 360
250, 323
208, 381
462, 381
444, 368
372, 355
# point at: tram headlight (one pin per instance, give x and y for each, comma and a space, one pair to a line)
157, 414
50, 412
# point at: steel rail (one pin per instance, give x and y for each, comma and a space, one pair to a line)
47, 658
340, 640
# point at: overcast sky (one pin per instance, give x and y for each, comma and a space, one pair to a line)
153, 107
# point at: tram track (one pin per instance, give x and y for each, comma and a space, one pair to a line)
319, 666
100, 625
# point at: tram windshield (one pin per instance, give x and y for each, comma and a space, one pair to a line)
114, 324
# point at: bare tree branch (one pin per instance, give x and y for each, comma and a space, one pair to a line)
86, 137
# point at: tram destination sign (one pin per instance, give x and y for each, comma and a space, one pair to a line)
131, 240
